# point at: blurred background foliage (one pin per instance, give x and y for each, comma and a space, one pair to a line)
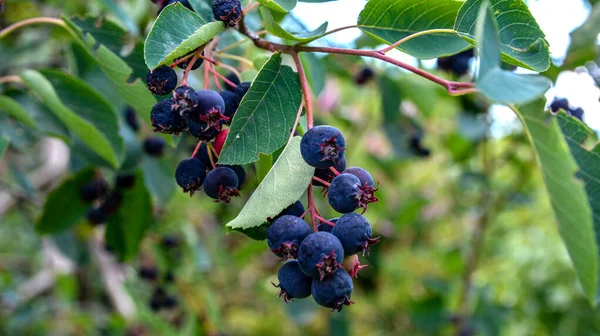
445, 182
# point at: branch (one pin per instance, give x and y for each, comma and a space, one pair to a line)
305, 90
4, 32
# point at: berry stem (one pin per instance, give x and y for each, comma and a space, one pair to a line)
250, 8
232, 69
11, 79
412, 36
295, 124
305, 89
188, 69
335, 171
181, 60
327, 184
216, 79
223, 78
237, 58
210, 60
323, 220
197, 148
312, 208
4, 32
211, 151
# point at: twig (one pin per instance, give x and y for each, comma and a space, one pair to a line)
320, 180
4, 32
296, 122
11, 79
223, 78
305, 89
188, 69
197, 148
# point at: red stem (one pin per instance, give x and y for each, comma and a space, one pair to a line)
325, 183
312, 208
188, 69
197, 148
216, 79
335, 171
223, 78
323, 220
305, 90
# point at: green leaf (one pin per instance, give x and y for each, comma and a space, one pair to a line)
113, 7
160, 178
80, 127
502, 86
176, 32
126, 228
283, 185
263, 166
64, 206
256, 233
275, 29
203, 8
567, 194
16, 111
266, 115
583, 45
4, 143
87, 103
282, 6
588, 161
522, 41
392, 20
315, 71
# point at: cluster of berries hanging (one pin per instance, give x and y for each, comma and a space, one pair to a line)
161, 281
322, 263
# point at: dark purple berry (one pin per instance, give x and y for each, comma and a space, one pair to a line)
577, 113
158, 298
333, 292
231, 104
364, 75
170, 302
320, 254
354, 232
295, 209
210, 109
228, 11
363, 175
326, 174
190, 175
457, 64
94, 190
242, 89
558, 104
149, 273
221, 184
285, 235
169, 242
185, 101
125, 181
325, 227
322, 146
154, 146
112, 203
183, 65
202, 131
161, 80
131, 118
232, 77
165, 120
96, 216
347, 193
293, 283
240, 172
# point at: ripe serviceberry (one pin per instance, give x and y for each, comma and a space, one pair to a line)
209, 110
221, 184
161, 80
558, 104
149, 273
154, 146
295, 209
94, 190
124, 181
185, 101
333, 292
202, 131
327, 174
285, 235
232, 77
165, 120
347, 193
577, 113
322, 146
325, 227
294, 284
131, 118
231, 104
112, 203
240, 172
320, 254
363, 175
457, 64
364, 75
228, 11
242, 89
184, 64
96, 216
354, 232
190, 175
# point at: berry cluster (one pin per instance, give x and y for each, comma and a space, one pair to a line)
322, 263
160, 299
203, 114
563, 103
104, 201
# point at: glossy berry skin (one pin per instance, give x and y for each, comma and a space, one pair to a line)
333, 292
347, 193
242, 89
209, 110
363, 175
231, 104
322, 146
161, 80
183, 65
124, 181
234, 79
354, 232
190, 174
324, 227
320, 254
364, 75
154, 146
165, 120
228, 11
202, 131
185, 101
285, 235
93, 190
294, 284
221, 184
240, 172
131, 118
327, 174
96, 216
